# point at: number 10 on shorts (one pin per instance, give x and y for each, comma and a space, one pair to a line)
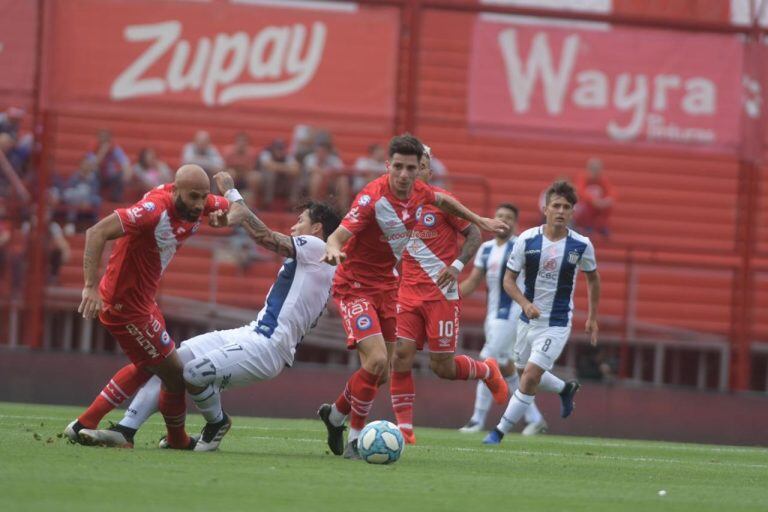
445, 328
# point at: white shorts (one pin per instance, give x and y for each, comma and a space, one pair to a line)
539, 344
500, 338
239, 356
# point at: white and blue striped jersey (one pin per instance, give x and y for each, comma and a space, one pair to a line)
492, 259
298, 296
549, 271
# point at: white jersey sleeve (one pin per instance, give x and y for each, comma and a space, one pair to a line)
309, 249
588, 262
517, 258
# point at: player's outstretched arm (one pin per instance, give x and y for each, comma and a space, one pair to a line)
452, 206
593, 289
96, 238
239, 213
334, 244
451, 273
510, 286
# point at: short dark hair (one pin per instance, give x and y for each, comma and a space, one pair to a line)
564, 190
511, 207
406, 144
323, 213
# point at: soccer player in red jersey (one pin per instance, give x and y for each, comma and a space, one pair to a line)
429, 307
373, 235
148, 235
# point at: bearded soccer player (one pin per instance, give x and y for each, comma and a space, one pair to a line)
367, 246
148, 235
500, 324
259, 350
429, 307
549, 258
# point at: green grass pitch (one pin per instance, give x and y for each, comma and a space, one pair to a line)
277, 464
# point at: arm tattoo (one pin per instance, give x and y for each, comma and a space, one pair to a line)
265, 237
471, 243
453, 207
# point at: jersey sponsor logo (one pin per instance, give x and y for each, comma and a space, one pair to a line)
533, 251
143, 341
134, 213
444, 342
573, 257
550, 265
430, 220
364, 322
149, 206
423, 234
418, 212
165, 338
364, 200
395, 236
300, 241
354, 214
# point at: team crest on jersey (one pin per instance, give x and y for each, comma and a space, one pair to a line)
149, 206
429, 220
364, 322
364, 200
573, 257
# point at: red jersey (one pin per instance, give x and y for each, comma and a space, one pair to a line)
153, 232
381, 224
432, 247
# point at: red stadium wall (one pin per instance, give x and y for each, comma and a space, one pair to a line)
689, 225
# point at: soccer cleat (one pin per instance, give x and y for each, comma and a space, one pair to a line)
72, 432
566, 398
191, 446
335, 434
115, 437
471, 427
496, 382
532, 429
494, 437
351, 452
212, 434
409, 436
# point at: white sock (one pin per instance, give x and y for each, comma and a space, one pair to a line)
483, 400
515, 410
549, 382
336, 418
353, 434
143, 405
208, 402
533, 414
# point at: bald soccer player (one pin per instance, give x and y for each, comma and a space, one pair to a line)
148, 235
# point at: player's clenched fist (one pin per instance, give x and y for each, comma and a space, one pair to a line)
531, 311
90, 306
591, 329
224, 181
218, 219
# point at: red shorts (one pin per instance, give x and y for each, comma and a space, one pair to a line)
364, 316
435, 321
143, 338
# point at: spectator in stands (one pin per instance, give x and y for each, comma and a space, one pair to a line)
280, 174
325, 172
81, 198
596, 200
151, 171
240, 161
303, 142
10, 121
597, 363
439, 171
113, 165
369, 167
203, 153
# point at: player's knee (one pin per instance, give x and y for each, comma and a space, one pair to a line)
377, 366
443, 368
199, 372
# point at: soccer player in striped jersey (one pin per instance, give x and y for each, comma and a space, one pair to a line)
548, 258
254, 352
500, 321
429, 307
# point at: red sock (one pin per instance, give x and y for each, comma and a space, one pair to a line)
403, 392
174, 410
363, 386
124, 383
470, 369
344, 402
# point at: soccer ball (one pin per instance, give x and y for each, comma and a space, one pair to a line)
380, 443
